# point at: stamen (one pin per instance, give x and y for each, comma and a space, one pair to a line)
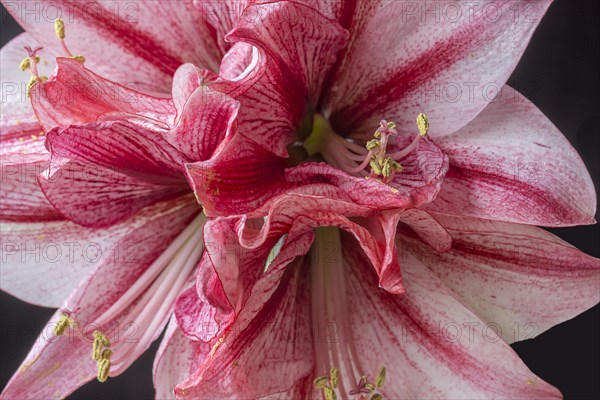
59, 29
63, 323
385, 165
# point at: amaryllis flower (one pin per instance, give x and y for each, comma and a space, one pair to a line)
97, 126
376, 220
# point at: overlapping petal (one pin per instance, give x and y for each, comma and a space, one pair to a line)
66, 360
450, 60
296, 44
512, 164
519, 278
139, 43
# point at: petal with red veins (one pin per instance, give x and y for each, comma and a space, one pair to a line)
228, 272
139, 43
239, 367
405, 333
512, 164
427, 228
74, 95
241, 177
66, 361
222, 16
244, 178
94, 196
431, 344
176, 359
205, 120
449, 68
520, 278
283, 93
126, 146
44, 261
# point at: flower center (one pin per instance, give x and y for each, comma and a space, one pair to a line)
335, 351
371, 159
146, 303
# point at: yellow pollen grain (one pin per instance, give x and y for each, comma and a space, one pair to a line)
380, 380
422, 124
334, 376
320, 382
63, 323
103, 370
79, 58
59, 28
329, 393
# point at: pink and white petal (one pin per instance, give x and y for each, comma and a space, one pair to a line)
74, 95
44, 261
126, 147
176, 359
205, 119
24, 157
94, 196
520, 278
431, 344
451, 60
240, 178
299, 212
284, 89
427, 228
268, 350
222, 16
512, 164
54, 368
228, 273
66, 361
139, 43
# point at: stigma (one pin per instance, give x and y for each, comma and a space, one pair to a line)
30, 63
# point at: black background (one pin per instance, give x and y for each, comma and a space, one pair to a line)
560, 73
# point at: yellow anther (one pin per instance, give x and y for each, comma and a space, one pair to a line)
391, 125
329, 393
380, 380
377, 135
59, 28
26, 63
102, 338
369, 386
81, 59
320, 382
96, 350
334, 376
63, 323
373, 144
376, 396
107, 354
103, 369
423, 124
375, 167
